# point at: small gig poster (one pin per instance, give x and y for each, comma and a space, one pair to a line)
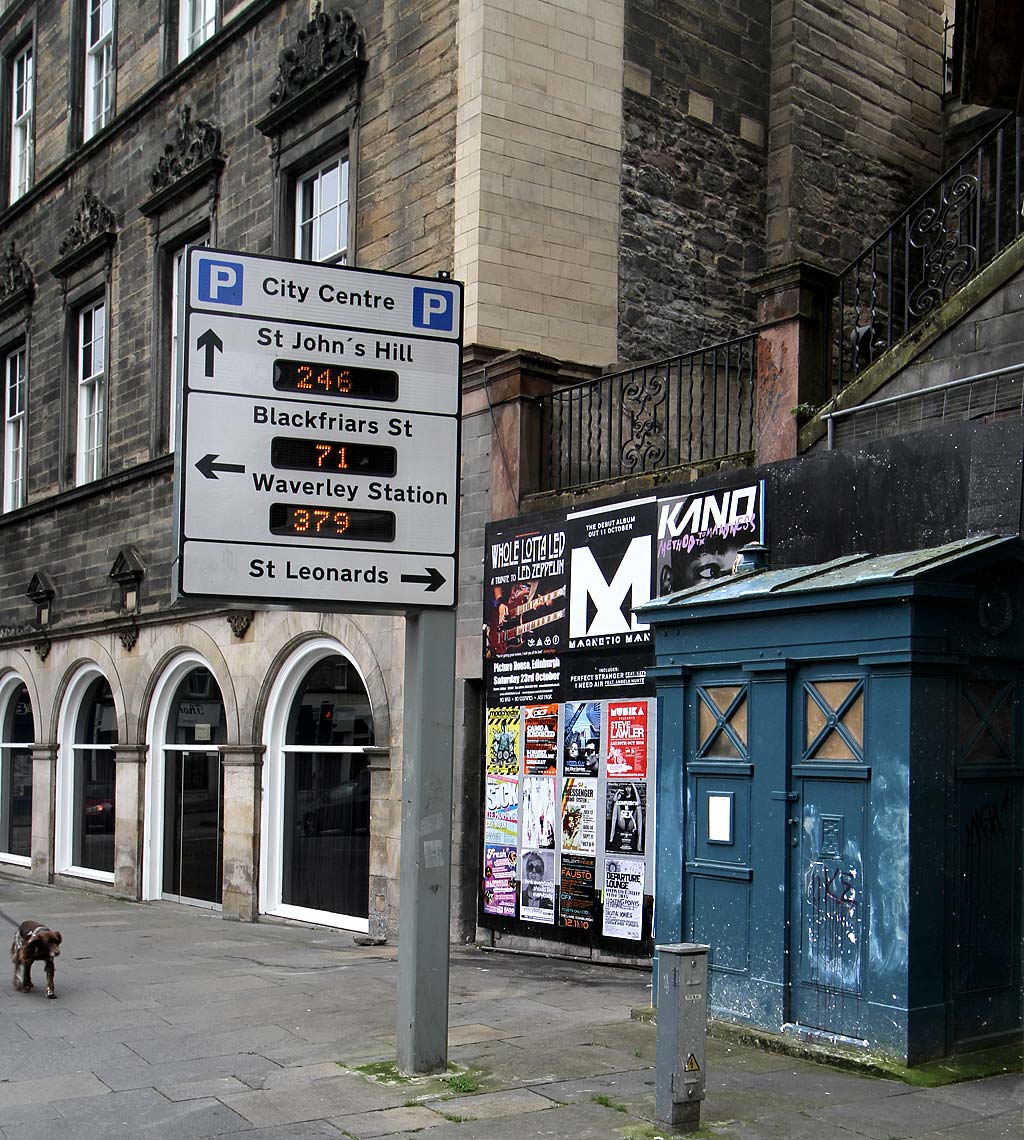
501, 813
627, 738
500, 879
540, 739
503, 741
576, 893
623, 897
537, 897
581, 738
625, 816
579, 815
539, 811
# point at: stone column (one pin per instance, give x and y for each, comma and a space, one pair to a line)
44, 780
792, 353
243, 773
129, 811
385, 837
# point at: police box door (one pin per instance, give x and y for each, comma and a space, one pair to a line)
830, 781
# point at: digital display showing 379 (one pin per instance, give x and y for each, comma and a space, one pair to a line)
314, 378
348, 525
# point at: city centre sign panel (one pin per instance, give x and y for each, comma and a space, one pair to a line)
318, 454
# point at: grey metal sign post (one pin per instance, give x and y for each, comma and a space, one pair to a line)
318, 467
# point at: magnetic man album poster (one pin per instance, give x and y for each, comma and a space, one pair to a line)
611, 571
525, 611
700, 536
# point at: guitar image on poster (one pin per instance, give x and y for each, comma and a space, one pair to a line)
519, 615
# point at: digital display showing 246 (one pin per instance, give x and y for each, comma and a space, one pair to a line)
314, 378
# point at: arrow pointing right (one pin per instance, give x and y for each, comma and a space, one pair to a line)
433, 577
212, 343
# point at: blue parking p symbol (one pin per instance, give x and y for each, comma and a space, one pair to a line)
433, 309
220, 281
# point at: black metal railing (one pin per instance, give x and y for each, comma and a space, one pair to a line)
955, 228
688, 408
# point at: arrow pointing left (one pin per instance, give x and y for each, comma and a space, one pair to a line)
212, 343
209, 466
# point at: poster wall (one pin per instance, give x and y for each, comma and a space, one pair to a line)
571, 721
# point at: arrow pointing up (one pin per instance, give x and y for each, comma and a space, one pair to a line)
209, 466
212, 343
433, 577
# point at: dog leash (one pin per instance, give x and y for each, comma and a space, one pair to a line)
3, 914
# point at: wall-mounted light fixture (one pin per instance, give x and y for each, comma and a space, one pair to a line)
42, 591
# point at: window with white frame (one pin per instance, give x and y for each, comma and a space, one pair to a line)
321, 212
177, 282
99, 65
92, 392
197, 22
21, 123
15, 428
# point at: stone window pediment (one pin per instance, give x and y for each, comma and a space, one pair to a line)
94, 231
327, 55
17, 285
190, 159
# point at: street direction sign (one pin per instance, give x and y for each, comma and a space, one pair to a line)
319, 434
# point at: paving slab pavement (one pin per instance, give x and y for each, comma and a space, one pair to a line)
172, 1024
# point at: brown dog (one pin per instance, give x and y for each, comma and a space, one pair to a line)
34, 942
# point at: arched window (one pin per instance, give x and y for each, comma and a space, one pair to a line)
16, 736
193, 804
92, 779
318, 820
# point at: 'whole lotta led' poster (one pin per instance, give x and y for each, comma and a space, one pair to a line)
571, 722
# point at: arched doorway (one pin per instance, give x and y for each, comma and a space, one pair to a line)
185, 787
17, 733
86, 778
317, 791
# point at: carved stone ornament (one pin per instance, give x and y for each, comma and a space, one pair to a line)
16, 282
42, 649
195, 142
128, 637
240, 621
328, 50
93, 220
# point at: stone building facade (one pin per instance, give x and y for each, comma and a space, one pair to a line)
605, 182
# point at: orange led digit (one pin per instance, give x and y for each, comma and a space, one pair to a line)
292, 454
350, 525
354, 382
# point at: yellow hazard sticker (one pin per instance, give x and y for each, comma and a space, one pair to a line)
691, 1064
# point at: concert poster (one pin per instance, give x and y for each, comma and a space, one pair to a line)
539, 813
540, 739
503, 741
525, 611
623, 897
625, 816
627, 738
537, 886
576, 894
501, 813
500, 880
699, 536
579, 815
581, 738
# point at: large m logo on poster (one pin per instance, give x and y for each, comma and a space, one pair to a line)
599, 607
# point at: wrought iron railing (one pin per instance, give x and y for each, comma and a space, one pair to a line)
685, 409
956, 227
